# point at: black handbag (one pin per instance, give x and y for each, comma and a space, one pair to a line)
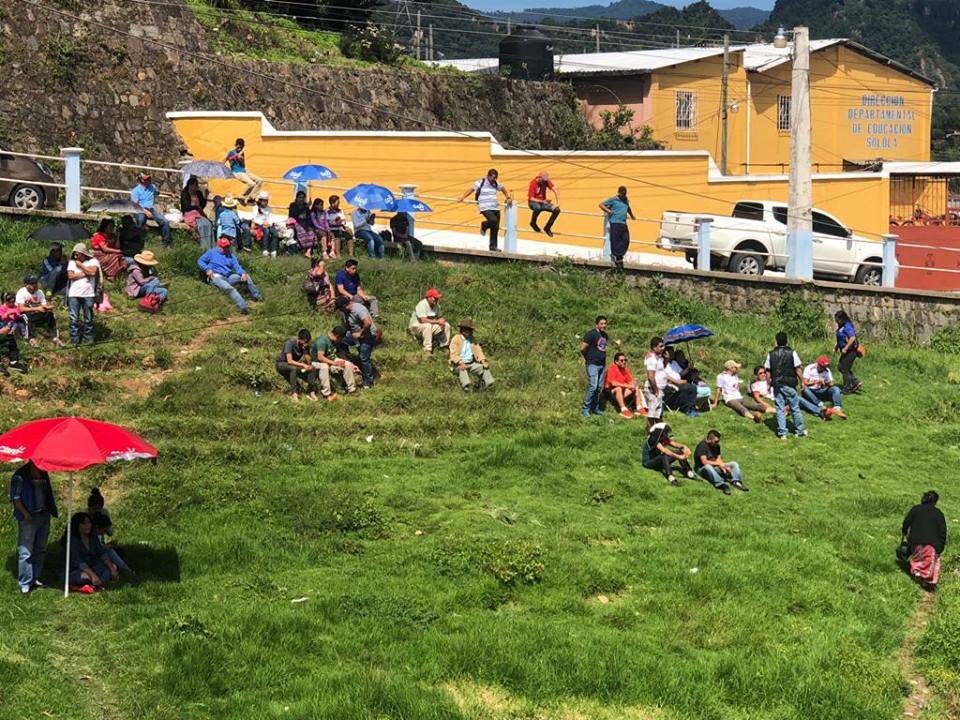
903, 550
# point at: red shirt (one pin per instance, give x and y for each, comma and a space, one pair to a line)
536, 193
618, 376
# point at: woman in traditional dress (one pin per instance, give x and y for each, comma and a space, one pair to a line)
925, 528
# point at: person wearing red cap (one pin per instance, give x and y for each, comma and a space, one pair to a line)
427, 322
225, 273
818, 386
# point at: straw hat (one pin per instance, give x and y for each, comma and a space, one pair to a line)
229, 201
81, 248
467, 323
145, 258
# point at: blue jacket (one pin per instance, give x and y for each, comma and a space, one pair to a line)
228, 223
23, 489
221, 264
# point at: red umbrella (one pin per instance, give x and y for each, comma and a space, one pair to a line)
68, 444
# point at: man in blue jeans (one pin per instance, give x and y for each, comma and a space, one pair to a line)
363, 221
33, 506
818, 386
225, 273
145, 195
712, 467
593, 347
785, 371
362, 333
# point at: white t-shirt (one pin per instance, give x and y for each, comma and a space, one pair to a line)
729, 386
84, 286
488, 194
28, 299
762, 387
820, 379
653, 362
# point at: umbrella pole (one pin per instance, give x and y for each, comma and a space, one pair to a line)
66, 564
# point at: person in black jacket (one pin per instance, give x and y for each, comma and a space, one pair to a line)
925, 528
785, 371
400, 229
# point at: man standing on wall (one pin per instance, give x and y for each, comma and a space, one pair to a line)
236, 161
485, 194
537, 200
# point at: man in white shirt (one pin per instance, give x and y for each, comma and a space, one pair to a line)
36, 310
818, 386
427, 323
485, 192
83, 273
656, 381
728, 387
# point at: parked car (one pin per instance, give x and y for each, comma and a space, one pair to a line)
754, 238
19, 186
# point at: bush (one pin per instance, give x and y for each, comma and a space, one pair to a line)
946, 340
370, 44
513, 562
801, 317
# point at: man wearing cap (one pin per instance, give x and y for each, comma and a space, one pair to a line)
467, 358
36, 310
83, 272
427, 323
349, 285
145, 195
484, 192
328, 353
236, 162
225, 273
538, 203
728, 387
361, 332
818, 386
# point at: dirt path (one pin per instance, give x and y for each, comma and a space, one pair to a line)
920, 694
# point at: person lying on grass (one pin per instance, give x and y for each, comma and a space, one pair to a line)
660, 451
293, 363
622, 388
89, 563
467, 358
712, 467
728, 387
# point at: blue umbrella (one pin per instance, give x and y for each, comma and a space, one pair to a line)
685, 333
371, 197
306, 173
412, 205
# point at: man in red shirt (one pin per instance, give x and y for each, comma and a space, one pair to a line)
622, 387
537, 200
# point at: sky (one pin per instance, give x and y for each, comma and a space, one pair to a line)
524, 4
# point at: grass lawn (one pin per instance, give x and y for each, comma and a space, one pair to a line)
420, 553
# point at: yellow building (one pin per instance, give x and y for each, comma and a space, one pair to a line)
864, 106
442, 165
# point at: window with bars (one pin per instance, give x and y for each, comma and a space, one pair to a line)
783, 113
686, 110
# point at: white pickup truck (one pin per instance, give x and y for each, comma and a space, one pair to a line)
754, 239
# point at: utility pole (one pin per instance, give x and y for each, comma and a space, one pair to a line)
724, 102
418, 35
430, 42
678, 37
596, 30
800, 205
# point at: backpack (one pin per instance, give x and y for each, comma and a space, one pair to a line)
151, 303
476, 195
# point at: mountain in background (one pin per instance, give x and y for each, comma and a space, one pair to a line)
740, 18
744, 18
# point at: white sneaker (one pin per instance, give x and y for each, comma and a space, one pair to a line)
273, 253
265, 253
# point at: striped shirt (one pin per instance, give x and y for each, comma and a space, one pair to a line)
488, 194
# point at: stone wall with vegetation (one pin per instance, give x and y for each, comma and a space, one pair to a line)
106, 82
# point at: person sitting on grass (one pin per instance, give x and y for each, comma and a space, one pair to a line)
317, 286
103, 528
818, 386
925, 529
142, 278
293, 363
427, 323
225, 273
679, 393
37, 312
762, 390
467, 358
349, 285
660, 451
622, 388
131, 238
728, 387
106, 249
12, 315
53, 270
711, 466
327, 353
89, 563
363, 333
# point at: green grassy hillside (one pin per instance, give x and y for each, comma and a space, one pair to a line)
420, 553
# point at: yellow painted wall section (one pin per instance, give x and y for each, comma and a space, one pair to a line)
445, 166
861, 110
704, 78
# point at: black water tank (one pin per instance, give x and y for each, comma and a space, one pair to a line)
526, 54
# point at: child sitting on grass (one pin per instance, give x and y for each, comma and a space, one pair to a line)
11, 320
103, 528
